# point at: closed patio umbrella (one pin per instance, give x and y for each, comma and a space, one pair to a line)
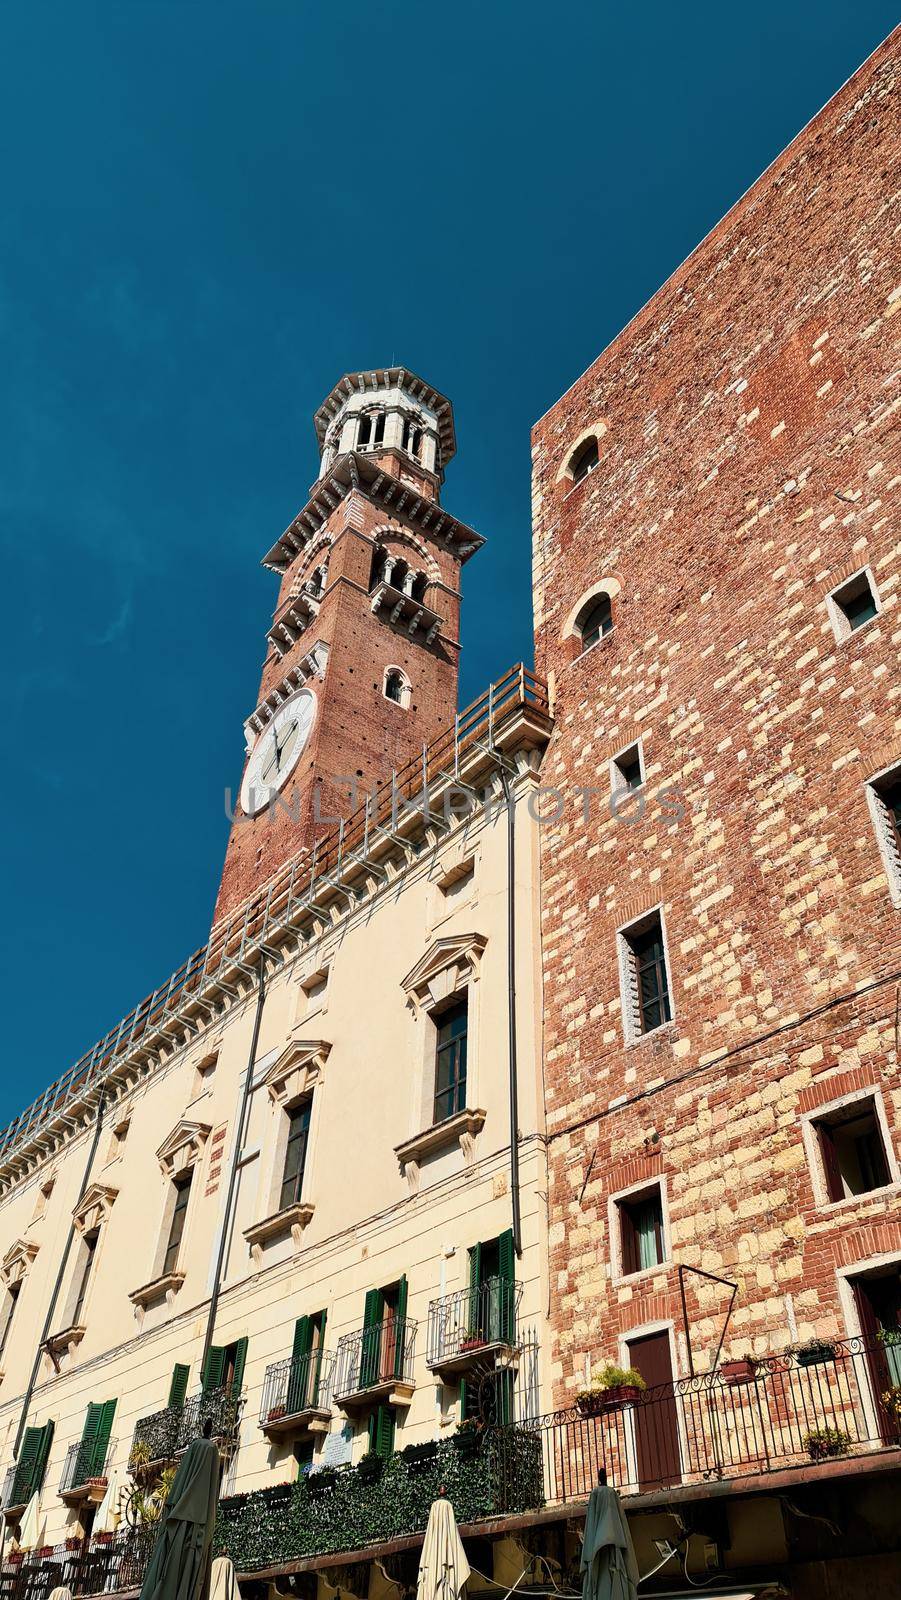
62, 1593
223, 1584
31, 1536
179, 1566
609, 1568
108, 1512
443, 1567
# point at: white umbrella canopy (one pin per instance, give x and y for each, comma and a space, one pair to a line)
108, 1512
443, 1567
31, 1535
62, 1593
223, 1585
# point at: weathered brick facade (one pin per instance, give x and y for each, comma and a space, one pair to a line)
748, 463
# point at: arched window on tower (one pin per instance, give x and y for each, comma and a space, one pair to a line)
584, 460
595, 621
412, 438
364, 431
397, 687
379, 431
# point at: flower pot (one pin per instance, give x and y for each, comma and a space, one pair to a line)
592, 1403
103, 1538
467, 1440
73, 1545
15, 1558
276, 1414
815, 1355
472, 1344
740, 1371
45, 1552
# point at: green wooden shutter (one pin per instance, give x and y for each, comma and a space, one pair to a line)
506, 1268
298, 1384
101, 1443
43, 1456
85, 1464
178, 1388
475, 1279
23, 1486
240, 1363
370, 1347
381, 1432
213, 1368
320, 1352
400, 1336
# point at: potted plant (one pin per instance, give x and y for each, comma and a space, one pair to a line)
823, 1443
891, 1401
16, 1557
103, 1538
276, 1413
888, 1337
322, 1482
415, 1456
814, 1352
73, 1544
741, 1370
613, 1387
45, 1552
468, 1437
472, 1341
98, 1482
370, 1467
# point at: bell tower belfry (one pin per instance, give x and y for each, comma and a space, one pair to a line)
362, 654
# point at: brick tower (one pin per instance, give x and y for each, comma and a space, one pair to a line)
362, 654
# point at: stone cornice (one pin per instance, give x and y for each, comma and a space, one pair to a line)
296, 1071
94, 1207
356, 470
17, 1261
183, 1146
376, 382
448, 965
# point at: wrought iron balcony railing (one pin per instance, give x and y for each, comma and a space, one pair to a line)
160, 1437
474, 1328
376, 1364
82, 1566
298, 1393
85, 1476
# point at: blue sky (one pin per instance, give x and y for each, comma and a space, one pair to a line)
210, 211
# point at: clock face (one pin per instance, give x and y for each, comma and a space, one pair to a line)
277, 751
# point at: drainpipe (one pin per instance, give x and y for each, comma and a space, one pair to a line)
51, 1309
511, 1013
225, 1232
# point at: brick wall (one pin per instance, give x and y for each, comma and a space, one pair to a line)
749, 460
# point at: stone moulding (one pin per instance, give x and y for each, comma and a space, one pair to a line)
296, 1071
157, 1289
292, 1220
460, 1129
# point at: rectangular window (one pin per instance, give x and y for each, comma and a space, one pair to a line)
627, 770
450, 1062
6, 1316
644, 977
641, 1238
295, 1154
177, 1226
884, 799
852, 1151
853, 604
85, 1267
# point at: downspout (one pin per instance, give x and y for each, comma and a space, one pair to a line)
51, 1309
225, 1232
511, 1013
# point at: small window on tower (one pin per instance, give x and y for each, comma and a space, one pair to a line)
884, 798
364, 431
595, 621
584, 460
853, 604
379, 430
627, 770
397, 687
644, 977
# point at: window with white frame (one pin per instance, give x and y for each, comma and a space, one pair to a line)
884, 799
853, 604
641, 1241
851, 1149
644, 976
396, 687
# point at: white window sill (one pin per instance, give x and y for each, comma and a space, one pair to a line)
625, 1280
884, 1192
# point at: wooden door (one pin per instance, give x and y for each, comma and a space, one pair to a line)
656, 1421
878, 1301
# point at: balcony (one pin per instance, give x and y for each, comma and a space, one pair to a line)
404, 610
475, 1330
338, 1509
297, 1395
164, 1434
84, 1479
17, 1491
375, 1366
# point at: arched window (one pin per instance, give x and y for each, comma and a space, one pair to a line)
584, 460
364, 432
397, 687
596, 621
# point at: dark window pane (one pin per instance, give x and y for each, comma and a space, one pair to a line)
596, 622
176, 1231
87, 1262
295, 1155
450, 1063
584, 460
859, 605
650, 970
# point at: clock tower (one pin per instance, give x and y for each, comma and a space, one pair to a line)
362, 655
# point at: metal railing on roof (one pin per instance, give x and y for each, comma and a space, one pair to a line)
196, 988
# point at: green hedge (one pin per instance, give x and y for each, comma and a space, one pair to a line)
305, 1518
